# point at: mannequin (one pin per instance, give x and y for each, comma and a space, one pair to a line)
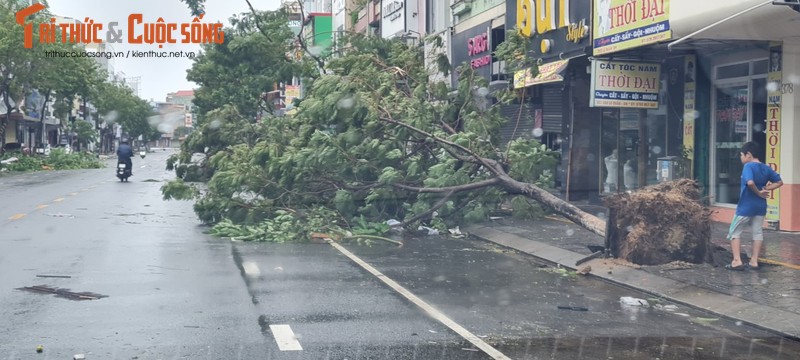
629, 174
612, 167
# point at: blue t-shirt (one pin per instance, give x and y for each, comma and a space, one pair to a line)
750, 204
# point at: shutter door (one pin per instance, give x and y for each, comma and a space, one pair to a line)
525, 127
552, 108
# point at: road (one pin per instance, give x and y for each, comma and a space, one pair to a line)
162, 289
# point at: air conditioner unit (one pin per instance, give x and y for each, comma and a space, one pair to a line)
461, 8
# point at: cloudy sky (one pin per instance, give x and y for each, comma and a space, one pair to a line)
158, 76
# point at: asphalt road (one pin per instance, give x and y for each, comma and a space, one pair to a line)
167, 291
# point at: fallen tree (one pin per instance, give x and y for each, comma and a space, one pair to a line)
376, 137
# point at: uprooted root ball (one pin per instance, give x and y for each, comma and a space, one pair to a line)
661, 223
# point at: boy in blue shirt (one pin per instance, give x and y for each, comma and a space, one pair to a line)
758, 180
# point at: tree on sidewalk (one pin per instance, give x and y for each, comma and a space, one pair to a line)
15, 63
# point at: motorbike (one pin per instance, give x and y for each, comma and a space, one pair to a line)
123, 172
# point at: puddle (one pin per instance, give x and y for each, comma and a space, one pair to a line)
62, 293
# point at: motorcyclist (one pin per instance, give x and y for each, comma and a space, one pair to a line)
124, 154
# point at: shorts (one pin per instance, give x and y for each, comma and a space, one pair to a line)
739, 223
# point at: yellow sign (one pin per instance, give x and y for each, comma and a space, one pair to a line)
625, 24
689, 114
550, 72
774, 97
623, 84
292, 92
543, 16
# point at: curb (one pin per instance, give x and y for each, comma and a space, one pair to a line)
780, 322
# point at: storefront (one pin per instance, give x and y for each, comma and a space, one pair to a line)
746, 75
555, 94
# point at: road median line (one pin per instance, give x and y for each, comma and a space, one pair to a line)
430, 310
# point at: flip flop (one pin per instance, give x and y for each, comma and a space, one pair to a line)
751, 267
735, 268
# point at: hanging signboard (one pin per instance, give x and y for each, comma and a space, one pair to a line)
622, 84
550, 72
625, 24
774, 97
689, 114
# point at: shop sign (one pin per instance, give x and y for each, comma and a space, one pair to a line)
292, 92
626, 24
550, 72
474, 49
774, 97
556, 26
689, 114
393, 14
623, 84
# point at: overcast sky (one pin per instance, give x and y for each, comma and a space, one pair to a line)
158, 76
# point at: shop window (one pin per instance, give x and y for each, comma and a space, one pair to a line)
760, 67
733, 71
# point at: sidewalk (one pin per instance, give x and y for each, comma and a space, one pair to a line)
768, 298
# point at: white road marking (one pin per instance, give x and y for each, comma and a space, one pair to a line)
285, 338
436, 314
251, 269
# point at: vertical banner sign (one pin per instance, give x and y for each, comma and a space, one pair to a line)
689, 87
625, 24
774, 96
623, 84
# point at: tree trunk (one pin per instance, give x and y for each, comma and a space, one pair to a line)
571, 212
41, 118
5, 121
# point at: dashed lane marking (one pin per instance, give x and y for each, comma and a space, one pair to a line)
40, 207
58, 200
436, 314
285, 338
251, 269
17, 216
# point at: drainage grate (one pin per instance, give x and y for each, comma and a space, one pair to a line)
64, 293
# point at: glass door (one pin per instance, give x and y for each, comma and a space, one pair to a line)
732, 122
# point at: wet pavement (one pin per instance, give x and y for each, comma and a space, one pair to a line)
773, 285
159, 288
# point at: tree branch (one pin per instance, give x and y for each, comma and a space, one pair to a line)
450, 189
482, 160
433, 208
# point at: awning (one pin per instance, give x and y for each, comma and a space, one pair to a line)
732, 20
550, 72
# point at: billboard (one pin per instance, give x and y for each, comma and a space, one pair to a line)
623, 84
625, 24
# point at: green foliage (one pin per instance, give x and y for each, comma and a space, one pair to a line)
532, 162
368, 132
525, 208
178, 190
516, 51
57, 160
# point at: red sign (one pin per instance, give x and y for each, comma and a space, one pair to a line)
476, 46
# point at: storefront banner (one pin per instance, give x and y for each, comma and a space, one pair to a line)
774, 97
623, 84
689, 113
625, 24
550, 72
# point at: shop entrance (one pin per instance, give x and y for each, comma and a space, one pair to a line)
739, 110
